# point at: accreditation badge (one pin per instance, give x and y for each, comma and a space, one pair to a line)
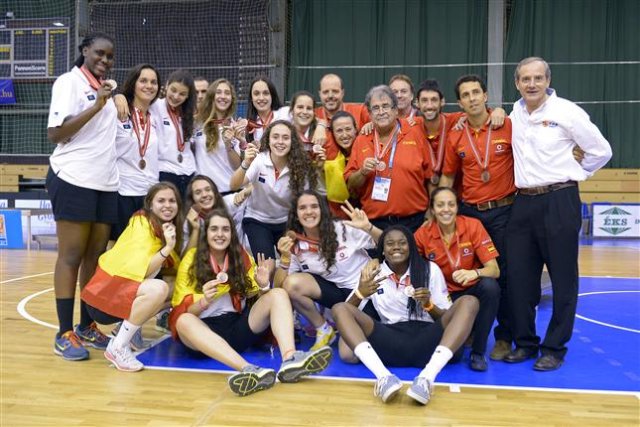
381, 187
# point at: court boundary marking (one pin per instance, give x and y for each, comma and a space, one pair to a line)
453, 387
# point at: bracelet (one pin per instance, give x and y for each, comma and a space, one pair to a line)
266, 288
477, 272
242, 166
203, 306
428, 307
359, 294
163, 255
284, 266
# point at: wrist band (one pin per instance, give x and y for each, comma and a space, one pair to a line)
359, 294
266, 288
203, 306
477, 272
428, 307
163, 255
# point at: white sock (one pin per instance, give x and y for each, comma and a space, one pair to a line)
369, 357
439, 359
323, 329
127, 329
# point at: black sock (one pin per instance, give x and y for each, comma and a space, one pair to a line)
64, 307
85, 317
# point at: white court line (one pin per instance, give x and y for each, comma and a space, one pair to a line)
597, 322
23, 311
24, 277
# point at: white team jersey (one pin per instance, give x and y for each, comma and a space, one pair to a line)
134, 180
214, 164
168, 152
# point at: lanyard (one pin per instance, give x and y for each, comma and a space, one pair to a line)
180, 142
454, 265
476, 153
437, 163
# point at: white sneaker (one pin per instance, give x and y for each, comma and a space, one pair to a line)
122, 358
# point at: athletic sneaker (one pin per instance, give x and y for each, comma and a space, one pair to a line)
303, 363
324, 339
137, 342
387, 387
421, 390
122, 358
162, 321
68, 346
92, 336
251, 379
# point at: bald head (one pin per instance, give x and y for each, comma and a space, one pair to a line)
331, 92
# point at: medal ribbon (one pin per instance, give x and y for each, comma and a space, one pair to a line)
314, 245
454, 265
176, 120
93, 81
437, 163
476, 153
405, 282
253, 125
216, 267
139, 125
378, 153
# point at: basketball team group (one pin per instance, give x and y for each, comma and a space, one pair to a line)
392, 233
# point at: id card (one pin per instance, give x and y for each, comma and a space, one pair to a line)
381, 187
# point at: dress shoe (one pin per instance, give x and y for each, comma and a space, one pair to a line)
548, 362
520, 355
477, 362
500, 350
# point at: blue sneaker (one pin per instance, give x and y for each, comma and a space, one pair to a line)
68, 346
92, 336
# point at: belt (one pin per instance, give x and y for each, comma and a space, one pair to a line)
536, 191
492, 204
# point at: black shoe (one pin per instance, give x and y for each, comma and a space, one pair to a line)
548, 362
520, 355
477, 362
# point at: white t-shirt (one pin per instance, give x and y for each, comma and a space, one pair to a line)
351, 257
214, 164
168, 145
391, 303
133, 180
271, 198
88, 158
281, 113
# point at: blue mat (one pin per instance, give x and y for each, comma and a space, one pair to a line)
602, 356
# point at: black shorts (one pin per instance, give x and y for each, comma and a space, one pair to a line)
406, 343
102, 317
234, 329
79, 204
127, 206
330, 294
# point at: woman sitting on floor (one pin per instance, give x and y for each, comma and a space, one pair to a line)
223, 303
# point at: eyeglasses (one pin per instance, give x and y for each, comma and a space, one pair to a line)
384, 108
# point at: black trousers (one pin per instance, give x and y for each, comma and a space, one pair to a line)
180, 181
487, 291
263, 237
495, 222
412, 222
544, 229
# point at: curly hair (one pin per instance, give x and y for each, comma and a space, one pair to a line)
328, 235
209, 113
420, 269
201, 269
300, 166
156, 225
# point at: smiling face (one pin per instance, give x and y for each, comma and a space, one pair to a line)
445, 208
344, 132
218, 233
395, 248
203, 196
165, 205
98, 57
308, 211
402, 90
331, 93
280, 140
302, 112
473, 100
146, 86
532, 83
261, 97
177, 93
383, 114
430, 104
222, 97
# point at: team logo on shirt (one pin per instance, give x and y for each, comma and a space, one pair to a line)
262, 179
305, 266
466, 252
166, 122
380, 291
409, 143
91, 97
199, 133
491, 248
126, 126
549, 123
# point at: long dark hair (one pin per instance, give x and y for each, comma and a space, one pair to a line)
217, 204
88, 41
341, 115
300, 166
153, 220
276, 104
328, 235
420, 269
187, 108
208, 110
294, 99
129, 86
201, 269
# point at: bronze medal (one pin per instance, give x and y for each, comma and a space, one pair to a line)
485, 176
142, 163
435, 179
180, 158
380, 166
222, 277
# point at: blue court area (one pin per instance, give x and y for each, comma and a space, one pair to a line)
604, 353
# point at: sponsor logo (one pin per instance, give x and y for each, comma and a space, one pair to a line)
615, 221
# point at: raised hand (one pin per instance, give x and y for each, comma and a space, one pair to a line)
169, 232
357, 217
368, 282
263, 272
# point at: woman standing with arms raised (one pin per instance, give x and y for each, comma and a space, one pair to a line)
82, 183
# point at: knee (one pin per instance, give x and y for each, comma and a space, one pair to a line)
183, 322
158, 290
470, 304
278, 294
293, 286
71, 257
339, 310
